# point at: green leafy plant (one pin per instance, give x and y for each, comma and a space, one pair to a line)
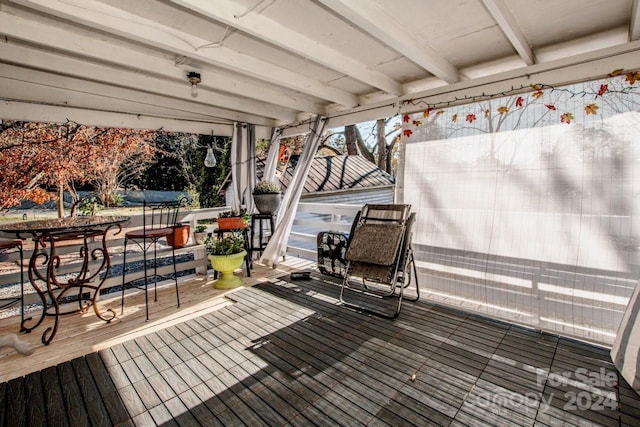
90, 206
228, 245
230, 214
266, 187
116, 200
194, 197
201, 228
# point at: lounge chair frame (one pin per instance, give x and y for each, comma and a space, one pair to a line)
385, 270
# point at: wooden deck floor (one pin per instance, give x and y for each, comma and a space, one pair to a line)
80, 334
284, 353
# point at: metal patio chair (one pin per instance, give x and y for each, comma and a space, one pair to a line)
6, 245
159, 220
379, 254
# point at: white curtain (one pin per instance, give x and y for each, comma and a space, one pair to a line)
287, 212
272, 157
539, 224
243, 165
626, 347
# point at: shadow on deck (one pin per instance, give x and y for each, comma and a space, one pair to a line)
283, 353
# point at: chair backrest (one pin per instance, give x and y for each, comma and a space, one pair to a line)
380, 214
379, 234
161, 214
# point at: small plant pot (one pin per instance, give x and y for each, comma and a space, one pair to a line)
180, 236
199, 238
225, 265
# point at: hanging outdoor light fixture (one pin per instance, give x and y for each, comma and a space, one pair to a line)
210, 160
194, 79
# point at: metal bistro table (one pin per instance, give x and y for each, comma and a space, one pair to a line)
55, 286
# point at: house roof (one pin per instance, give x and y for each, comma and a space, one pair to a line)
276, 62
330, 174
335, 173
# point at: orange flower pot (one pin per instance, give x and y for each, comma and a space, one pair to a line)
231, 223
180, 236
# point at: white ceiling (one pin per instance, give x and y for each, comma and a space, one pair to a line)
276, 62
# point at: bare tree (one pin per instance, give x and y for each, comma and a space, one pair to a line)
381, 125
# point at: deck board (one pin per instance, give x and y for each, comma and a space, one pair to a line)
36, 410
53, 396
285, 353
96, 409
15, 404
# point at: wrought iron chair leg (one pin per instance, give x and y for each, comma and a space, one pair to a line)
175, 274
155, 270
22, 328
146, 284
124, 264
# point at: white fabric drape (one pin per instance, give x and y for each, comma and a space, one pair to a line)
243, 165
272, 157
625, 352
278, 243
538, 221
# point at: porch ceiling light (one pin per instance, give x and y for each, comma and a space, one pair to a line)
194, 79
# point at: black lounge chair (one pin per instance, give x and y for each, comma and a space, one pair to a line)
379, 253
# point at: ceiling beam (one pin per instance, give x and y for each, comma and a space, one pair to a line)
39, 93
501, 13
39, 86
371, 18
26, 111
634, 25
115, 21
117, 54
564, 71
273, 32
208, 102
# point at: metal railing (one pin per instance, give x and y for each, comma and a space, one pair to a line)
312, 218
192, 259
450, 276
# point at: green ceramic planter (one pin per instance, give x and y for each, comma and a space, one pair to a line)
225, 265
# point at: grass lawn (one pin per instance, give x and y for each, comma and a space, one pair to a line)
14, 215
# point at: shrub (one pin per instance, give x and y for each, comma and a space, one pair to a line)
90, 206
229, 214
227, 245
266, 187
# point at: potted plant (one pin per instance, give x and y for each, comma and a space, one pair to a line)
226, 254
267, 196
180, 236
233, 220
200, 234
